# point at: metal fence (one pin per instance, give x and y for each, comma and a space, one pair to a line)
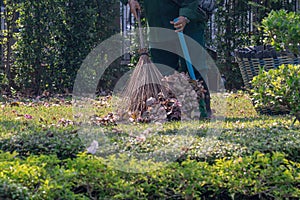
126, 26
2, 28
253, 15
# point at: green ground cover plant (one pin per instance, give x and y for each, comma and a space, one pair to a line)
252, 157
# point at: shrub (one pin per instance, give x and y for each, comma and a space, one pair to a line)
50, 47
278, 88
35, 178
258, 176
281, 29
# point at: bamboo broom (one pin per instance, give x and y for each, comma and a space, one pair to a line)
145, 81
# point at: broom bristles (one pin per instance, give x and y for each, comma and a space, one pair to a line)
145, 82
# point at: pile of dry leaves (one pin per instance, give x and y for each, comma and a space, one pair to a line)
181, 102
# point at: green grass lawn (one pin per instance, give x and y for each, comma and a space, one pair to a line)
242, 155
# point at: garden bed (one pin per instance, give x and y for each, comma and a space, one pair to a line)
252, 157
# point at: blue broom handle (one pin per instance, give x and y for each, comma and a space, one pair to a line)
186, 54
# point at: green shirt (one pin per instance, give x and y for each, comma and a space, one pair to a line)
159, 13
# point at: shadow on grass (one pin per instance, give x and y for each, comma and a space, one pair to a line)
27, 139
258, 118
266, 139
208, 142
7, 126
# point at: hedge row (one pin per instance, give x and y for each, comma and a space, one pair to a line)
258, 176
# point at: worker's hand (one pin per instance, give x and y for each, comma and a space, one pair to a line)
180, 24
134, 7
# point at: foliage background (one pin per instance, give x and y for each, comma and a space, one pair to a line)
45, 42
235, 24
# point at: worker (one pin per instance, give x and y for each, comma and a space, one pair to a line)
191, 20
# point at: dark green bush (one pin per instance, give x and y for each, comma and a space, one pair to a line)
50, 40
64, 144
